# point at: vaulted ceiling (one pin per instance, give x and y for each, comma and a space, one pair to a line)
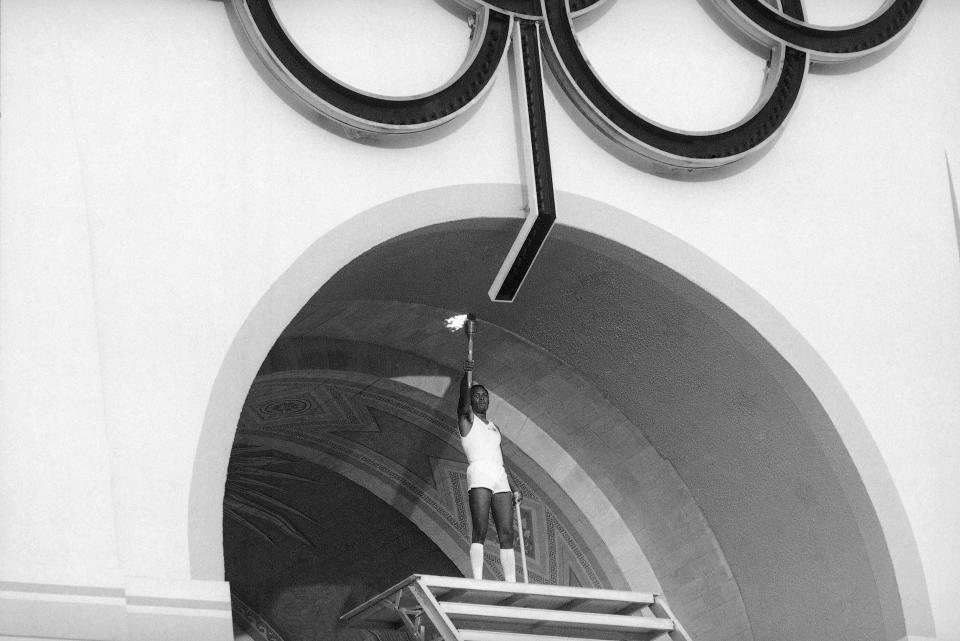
698, 446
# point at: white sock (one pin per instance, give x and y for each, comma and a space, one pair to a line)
509, 562
476, 560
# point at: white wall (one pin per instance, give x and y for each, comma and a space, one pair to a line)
154, 186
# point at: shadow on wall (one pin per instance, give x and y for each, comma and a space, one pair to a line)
308, 545
303, 544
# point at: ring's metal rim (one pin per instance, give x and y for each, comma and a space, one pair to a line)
350, 120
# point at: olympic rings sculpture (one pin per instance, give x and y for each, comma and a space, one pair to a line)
793, 43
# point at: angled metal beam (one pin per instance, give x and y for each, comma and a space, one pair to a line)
662, 610
953, 201
538, 176
432, 609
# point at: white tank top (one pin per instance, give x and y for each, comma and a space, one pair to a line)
482, 443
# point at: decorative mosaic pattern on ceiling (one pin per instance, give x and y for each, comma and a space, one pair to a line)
374, 433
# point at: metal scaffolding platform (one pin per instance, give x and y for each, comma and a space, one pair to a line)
455, 609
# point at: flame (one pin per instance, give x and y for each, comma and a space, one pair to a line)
455, 323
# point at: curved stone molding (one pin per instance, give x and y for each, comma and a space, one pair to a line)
751, 320
617, 550
332, 417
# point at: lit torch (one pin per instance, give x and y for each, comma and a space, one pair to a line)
470, 325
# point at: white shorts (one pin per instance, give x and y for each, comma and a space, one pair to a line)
490, 476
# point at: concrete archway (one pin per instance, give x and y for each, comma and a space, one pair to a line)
824, 432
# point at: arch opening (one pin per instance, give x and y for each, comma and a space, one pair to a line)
731, 454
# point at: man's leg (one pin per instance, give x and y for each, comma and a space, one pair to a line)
503, 519
479, 517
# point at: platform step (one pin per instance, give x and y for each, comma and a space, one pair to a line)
494, 635
548, 597
458, 609
536, 619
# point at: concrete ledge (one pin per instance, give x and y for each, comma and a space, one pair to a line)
4, 637
59, 611
143, 610
162, 610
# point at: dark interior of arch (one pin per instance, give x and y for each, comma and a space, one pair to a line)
721, 419
310, 545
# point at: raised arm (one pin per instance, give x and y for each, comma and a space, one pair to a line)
464, 413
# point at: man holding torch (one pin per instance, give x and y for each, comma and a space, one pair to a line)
489, 485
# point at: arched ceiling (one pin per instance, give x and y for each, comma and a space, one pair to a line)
393, 440
733, 436
566, 438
